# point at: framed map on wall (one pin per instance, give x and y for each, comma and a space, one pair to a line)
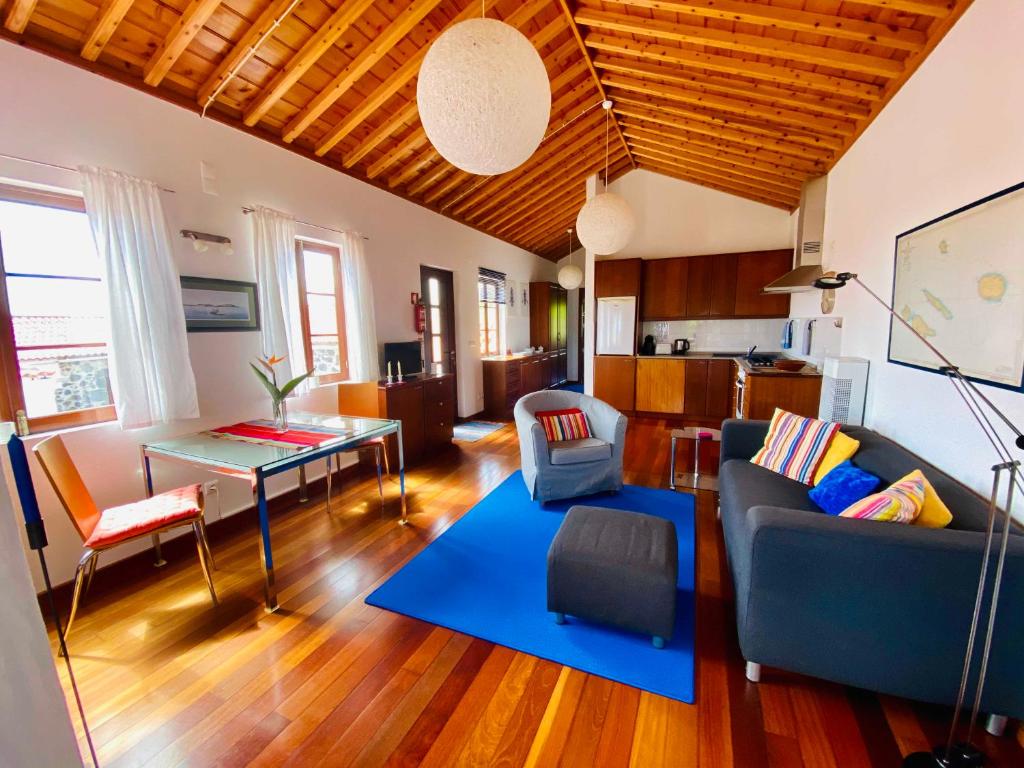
959, 281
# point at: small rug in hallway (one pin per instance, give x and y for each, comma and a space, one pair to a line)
572, 388
486, 576
471, 431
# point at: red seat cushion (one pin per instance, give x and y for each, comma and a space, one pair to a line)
119, 524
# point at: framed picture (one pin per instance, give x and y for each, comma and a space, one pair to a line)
959, 282
219, 305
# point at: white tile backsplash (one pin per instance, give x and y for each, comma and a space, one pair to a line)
719, 335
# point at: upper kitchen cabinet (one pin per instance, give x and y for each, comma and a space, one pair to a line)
724, 285
548, 303
617, 277
664, 294
753, 272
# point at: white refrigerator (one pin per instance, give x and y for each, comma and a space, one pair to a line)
616, 325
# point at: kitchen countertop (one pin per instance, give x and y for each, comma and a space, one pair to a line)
740, 359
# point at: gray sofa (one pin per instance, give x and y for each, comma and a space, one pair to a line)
875, 605
571, 468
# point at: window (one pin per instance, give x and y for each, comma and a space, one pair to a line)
322, 307
53, 312
492, 311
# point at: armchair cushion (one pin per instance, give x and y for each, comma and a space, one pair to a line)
566, 424
128, 521
579, 451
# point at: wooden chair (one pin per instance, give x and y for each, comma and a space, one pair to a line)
360, 399
103, 529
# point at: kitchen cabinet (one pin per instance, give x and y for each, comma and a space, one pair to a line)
715, 286
759, 394
617, 277
615, 381
660, 385
506, 379
696, 386
548, 306
719, 389
754, 271
664, 294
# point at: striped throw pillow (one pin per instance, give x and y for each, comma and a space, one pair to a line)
569, 424
795, 445
901, 502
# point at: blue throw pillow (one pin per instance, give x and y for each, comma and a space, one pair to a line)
842, 487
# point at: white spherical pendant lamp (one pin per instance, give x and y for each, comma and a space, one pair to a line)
484, 96
605, 224
570, 276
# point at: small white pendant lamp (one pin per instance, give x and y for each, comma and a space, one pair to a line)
484, 97
605, 224
570, 276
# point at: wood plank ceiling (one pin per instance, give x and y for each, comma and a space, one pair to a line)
749, 97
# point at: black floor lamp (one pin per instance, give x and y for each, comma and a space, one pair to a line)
964, 754
36, 531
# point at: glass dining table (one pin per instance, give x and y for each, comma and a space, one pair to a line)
248, 458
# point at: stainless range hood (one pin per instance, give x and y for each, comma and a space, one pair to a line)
809, 232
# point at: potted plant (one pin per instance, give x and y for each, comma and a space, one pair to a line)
277, 394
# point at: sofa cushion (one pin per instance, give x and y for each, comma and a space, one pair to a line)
901, 502
841, 487
795, 445
842, 448
579, 451
934, 513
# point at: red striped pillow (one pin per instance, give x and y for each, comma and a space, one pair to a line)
568, 424
795, 445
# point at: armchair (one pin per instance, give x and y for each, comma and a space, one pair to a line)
574, 467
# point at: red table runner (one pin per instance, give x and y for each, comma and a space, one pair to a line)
255, 431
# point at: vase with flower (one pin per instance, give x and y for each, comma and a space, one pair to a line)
278, 395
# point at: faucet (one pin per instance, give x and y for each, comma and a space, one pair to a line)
750, 352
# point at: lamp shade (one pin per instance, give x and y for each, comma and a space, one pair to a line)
484, 97
605, 224
570, 276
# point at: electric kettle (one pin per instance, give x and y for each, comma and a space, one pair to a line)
680, 346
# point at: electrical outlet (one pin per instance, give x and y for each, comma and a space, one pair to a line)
210, 486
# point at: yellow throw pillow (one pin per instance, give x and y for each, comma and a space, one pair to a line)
841, 449
934, 513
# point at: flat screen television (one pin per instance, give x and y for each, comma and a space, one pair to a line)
406, 352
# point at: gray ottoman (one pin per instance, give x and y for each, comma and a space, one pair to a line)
614, 567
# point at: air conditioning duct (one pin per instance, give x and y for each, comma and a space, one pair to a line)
810, 229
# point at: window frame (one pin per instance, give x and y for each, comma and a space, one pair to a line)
485, 305
12, 396
301, 244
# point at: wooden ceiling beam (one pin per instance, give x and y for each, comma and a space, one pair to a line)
180, 35
405, 74
936, 8
847, 110
438, 172
315, 47
735, 65
681, 136
18, 14
743, 43
379, 47
413, 141
551, 198
783, 140
543, 227
777, 17
810, 123
689, 146
442, 190
406, 114
713, 169
243, 49
102, 27
729, 189
585, 53
416, 166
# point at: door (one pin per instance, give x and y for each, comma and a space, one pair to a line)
580, 326
439, 331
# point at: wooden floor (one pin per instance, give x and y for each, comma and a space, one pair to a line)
327, 680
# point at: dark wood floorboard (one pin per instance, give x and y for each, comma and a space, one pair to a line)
169, 680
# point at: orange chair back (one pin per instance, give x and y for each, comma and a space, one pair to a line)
358, 399
74, 496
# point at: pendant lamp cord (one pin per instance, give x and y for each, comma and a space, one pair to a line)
607, 124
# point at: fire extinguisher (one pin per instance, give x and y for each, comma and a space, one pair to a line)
419, 314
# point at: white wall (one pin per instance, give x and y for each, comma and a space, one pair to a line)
68, 116
952, 135
676, 218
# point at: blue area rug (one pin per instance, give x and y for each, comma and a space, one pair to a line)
486, 576
572, 388
471, 431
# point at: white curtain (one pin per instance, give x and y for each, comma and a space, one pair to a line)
360, 325
278, 288
151, 374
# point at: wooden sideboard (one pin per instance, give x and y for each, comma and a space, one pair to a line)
508, 378
426, 407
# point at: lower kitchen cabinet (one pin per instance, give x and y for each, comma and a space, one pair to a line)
758, 395
506, 379
708, 388
615, 381
660, 384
